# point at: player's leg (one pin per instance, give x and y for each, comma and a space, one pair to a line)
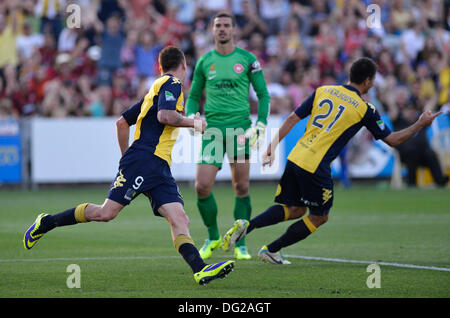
179, 227
300, 188
207, 206
118, 196
82, 213
183, 243
240, 174
298, 231
274, 214
209, 164
238, 153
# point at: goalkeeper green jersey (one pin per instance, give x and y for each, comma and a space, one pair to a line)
226, 80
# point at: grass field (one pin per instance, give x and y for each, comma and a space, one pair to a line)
133, 255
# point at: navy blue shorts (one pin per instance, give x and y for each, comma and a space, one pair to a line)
298, 187
140, 171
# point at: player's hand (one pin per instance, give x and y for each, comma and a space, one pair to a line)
426, 119
199, 124
256, 135
191, 129
268, 157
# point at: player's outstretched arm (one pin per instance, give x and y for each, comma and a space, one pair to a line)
174, 118
123, 134
289, 122
398, 137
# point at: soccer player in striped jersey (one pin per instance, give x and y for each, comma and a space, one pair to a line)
337, 113
145, 168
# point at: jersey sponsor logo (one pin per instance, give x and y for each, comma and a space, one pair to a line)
226, 83
119, 180
238, 68
380, 124
255, 67
175, 80
169, 96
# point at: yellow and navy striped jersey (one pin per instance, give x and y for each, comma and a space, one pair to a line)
337, 113
165, 93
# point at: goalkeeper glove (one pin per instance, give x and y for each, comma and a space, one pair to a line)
256, 135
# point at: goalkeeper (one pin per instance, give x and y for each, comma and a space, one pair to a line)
225, 73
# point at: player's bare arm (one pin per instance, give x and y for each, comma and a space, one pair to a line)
398, 137
268, 156
123, 134
174, 118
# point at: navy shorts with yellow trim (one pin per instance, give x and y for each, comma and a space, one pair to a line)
140, 171
298, 187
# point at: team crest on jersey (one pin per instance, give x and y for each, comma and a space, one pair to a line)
241, 140
238, 68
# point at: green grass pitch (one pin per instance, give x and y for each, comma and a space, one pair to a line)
133, 255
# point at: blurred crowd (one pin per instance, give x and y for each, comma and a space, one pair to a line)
95, 58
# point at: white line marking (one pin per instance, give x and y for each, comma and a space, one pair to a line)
118, 258
338, 260
126, 258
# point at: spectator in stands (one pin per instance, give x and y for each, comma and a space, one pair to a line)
400, 17
6, 109
111, 43
272, 13
316, 41
251, 21
147, 55
8, 36
28, 43
49, 11
417, 151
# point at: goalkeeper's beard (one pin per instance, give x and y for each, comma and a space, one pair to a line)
222, 42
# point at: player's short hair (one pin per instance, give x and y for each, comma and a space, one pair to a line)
362, 69
170, 58
225, 14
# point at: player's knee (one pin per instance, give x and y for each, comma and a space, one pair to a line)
318, 220
202, 188
180, 219
296, 212
241, 188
